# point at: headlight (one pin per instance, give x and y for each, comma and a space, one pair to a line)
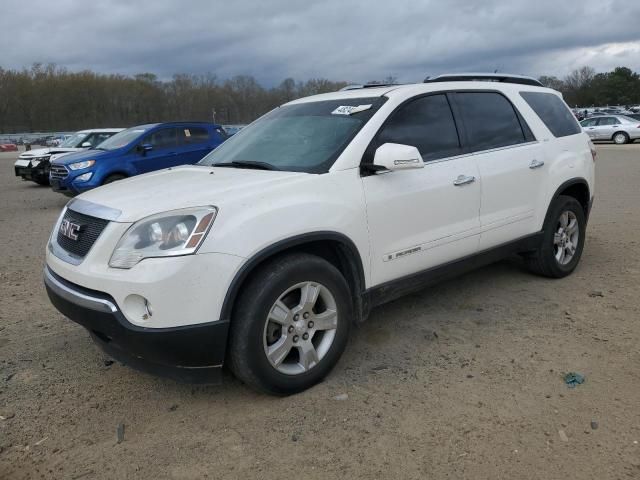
81, 165
167, 234
36, 161
84, 177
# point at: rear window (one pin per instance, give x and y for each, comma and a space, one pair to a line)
553, 112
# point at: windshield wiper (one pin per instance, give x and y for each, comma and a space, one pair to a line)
247, 164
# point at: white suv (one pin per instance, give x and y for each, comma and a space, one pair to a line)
265, 253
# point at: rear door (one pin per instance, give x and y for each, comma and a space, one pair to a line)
606, 127
425, 217
510, 161
164, 149
193, 143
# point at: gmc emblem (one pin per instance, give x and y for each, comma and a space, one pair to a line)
69, 230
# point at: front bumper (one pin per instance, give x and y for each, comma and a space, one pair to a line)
40, 173
192, 353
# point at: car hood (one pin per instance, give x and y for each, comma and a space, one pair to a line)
187, 186
78, 156
38, 152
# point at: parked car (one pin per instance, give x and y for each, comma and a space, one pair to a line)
34, 164
8, 147
635, 116
621, 129
274, 244
137, 150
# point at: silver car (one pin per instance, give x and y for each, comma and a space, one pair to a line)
618, 128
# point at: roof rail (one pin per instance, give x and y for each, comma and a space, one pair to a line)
485, 77
358, 86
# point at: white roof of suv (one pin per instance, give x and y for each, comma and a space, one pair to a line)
417, 88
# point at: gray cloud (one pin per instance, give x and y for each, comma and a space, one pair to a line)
341, 40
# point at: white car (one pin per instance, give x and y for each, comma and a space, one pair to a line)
266, 252
34, 164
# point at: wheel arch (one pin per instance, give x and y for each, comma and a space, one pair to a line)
124, 173
336, 248
577, 188
622, 132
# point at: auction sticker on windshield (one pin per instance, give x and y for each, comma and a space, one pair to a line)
350, 109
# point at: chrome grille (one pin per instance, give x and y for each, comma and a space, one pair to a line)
58, 171
89, 231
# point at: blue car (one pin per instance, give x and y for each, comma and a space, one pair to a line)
137, 150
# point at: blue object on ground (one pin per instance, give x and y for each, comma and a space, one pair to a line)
572, 379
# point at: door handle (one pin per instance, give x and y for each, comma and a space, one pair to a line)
464, 180
536, 164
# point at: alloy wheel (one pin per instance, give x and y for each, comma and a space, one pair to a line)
300, 328
565, 240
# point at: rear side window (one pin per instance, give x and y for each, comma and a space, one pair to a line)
490, 121
191, 135
425, 123
553, 112
604, 121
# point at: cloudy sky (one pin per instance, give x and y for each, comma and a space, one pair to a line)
336, 39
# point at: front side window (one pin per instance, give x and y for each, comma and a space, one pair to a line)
303, 137
74, 141
589, 123
161, 139
96, 139
425, 123
553, 112
490, 121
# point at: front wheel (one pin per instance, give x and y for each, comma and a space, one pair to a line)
290, 324
563, 239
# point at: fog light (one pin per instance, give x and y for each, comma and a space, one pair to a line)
84, 177
137, 309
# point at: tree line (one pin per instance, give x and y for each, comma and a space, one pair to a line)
584, 87
50, 98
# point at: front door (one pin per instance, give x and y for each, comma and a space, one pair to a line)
590, 127
426, 217
164, 148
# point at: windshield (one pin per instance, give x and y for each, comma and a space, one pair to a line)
305, 137
74, 140
122, 138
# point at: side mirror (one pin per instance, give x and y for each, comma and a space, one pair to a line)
395, 156
145, 147
86, 145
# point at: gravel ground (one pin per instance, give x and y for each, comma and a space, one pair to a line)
463, 380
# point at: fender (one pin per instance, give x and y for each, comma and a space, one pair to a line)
354, 260
564, 186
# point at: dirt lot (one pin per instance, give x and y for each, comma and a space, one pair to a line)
461, 381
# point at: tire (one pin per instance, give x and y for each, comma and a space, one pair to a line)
620, 138
548, 260
42, 181
113, 178
253, 331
